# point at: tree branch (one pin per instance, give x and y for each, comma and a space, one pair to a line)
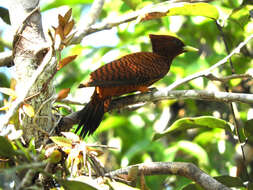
187, 170
164, 94
84, 27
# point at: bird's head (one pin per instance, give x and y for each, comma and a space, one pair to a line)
168, 46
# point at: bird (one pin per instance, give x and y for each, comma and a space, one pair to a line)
130, 73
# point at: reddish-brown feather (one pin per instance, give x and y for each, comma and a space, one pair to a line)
133, 69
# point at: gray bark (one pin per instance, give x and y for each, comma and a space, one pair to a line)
29, 49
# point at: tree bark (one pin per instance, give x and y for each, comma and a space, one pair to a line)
29, 49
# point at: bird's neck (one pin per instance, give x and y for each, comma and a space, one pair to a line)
167, 59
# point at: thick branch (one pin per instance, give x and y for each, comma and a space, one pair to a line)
187, 170
164, 94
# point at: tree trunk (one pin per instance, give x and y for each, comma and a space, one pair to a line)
28, 53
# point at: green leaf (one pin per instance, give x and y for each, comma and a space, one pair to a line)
194, 9
71, 184
117, 185
195, 150
194, 122
61, 141
6, 149
4, 14
248, 128
57, 3
230, 181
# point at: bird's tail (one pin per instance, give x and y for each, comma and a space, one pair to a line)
90, 117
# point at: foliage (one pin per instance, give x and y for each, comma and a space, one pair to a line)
195, 131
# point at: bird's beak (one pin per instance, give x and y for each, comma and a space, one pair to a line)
189, 48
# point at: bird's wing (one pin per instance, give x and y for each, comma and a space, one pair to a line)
133, 69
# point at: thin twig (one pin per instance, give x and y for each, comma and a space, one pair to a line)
187, 170
228, 78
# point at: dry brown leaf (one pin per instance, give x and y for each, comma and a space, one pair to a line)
59, 31
152, 15
66, 61
67, 15
63, 93
61, 21
68, 27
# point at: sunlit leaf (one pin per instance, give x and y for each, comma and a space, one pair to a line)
184, 9
57, 3
28, 109
6, 149
195, 9
55, 156
71, 184
61, 141
13, 83
194, 122
9, 92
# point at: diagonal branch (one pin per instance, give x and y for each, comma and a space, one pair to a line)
187, 170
